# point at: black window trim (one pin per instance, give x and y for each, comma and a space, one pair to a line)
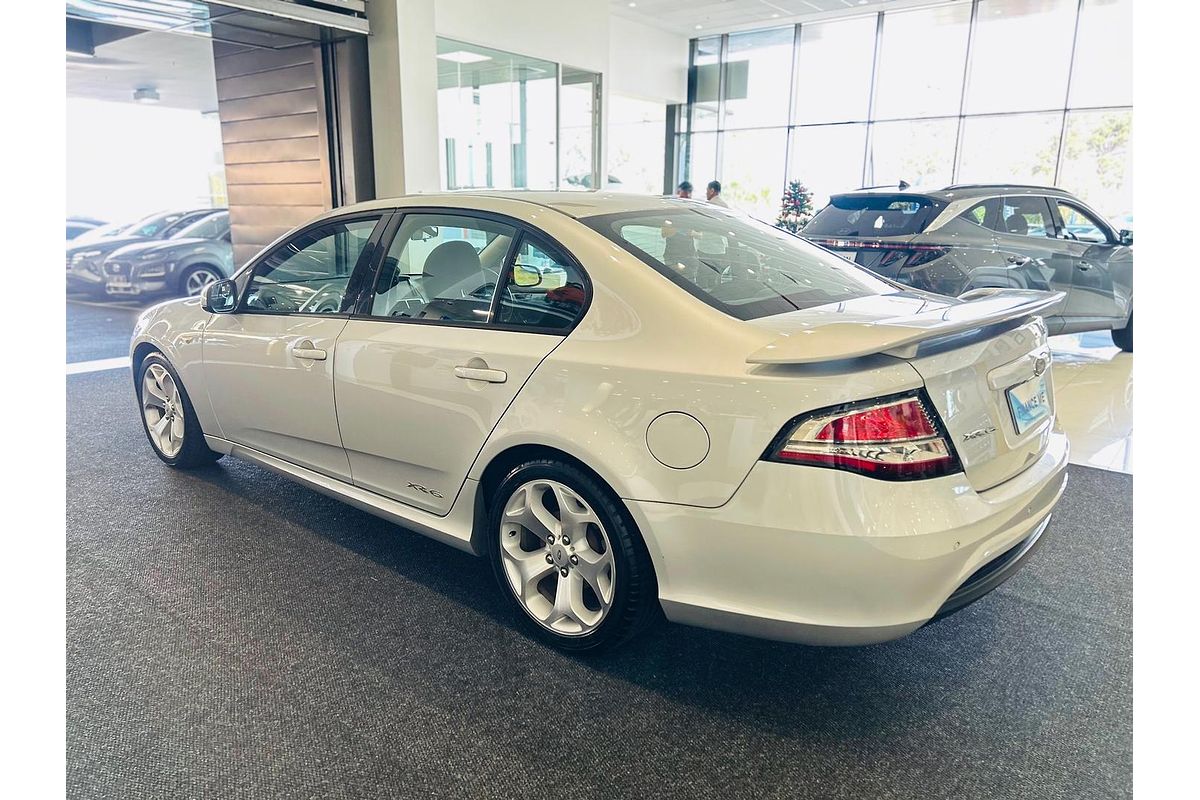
353, 288
523, 229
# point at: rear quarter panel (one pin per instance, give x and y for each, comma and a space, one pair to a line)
645, 348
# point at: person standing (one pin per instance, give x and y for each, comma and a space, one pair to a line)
713, 193
684, 190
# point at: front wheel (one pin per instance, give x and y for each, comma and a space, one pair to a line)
194, 279
1123, 337
569, 558
168, 417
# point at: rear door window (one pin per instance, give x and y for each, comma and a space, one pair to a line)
873, 215
442, 268
1026, 216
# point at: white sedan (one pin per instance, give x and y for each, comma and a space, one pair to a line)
629, 405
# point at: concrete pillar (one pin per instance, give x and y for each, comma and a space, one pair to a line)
402, 54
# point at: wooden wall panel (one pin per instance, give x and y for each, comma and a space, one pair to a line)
272, 127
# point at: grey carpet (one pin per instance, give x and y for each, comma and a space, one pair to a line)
230, 634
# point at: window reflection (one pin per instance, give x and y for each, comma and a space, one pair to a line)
833, 82
758, 71
752, 171
1004, 79
919, 152
1103, 74
635, 144
706, 83
496, 118
920, 62
1020, 148
1095, 161
827, 159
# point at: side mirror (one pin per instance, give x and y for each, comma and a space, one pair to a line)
219, 297
1126, 237
525, 276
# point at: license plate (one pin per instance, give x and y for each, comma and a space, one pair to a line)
1029, 403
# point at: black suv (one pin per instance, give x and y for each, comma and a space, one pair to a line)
976, 236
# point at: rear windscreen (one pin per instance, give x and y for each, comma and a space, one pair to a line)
873, 215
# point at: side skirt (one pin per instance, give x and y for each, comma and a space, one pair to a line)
453, 529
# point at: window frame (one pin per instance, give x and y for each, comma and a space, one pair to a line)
362, 308
350, 300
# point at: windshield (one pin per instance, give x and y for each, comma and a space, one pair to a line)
104, 231
873, 215
736, 264
213, 226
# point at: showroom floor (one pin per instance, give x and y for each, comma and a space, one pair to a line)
230, 633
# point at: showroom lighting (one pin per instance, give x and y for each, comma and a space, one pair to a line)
464, 57
146, 95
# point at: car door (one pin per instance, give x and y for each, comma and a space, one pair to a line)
1096, 259
1033, 256
436, 354
269, 365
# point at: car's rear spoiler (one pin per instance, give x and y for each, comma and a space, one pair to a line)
900, 336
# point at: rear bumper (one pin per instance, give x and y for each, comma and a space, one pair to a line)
819, 556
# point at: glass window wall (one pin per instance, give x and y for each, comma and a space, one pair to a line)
1034, 91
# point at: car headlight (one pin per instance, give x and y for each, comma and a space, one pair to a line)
154, 270
85, 255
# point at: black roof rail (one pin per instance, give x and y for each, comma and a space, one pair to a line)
1005, 185
902, 185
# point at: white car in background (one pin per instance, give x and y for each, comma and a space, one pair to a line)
630, 404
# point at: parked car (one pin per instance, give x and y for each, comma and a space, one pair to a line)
183, 263
85, 258
969, 237
753, 436
80, 225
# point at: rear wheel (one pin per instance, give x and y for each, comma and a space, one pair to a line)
1123, 337
168, 417
569, 558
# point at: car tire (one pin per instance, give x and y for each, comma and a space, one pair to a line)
193, 279
1123, 337
584, 594
179, 442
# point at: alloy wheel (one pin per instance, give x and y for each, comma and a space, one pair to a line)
162, 407
557, 557
196, 281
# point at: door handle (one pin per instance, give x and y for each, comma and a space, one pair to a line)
304, 349
1019, 261
481, 374
1084, 266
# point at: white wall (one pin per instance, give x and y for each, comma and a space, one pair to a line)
645, 62
572, 32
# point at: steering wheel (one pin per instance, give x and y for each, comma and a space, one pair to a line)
326, 300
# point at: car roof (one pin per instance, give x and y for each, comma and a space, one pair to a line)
960, 191
578, 205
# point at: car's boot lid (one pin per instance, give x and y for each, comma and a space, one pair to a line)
894, 324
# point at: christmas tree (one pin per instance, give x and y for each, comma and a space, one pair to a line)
796, 208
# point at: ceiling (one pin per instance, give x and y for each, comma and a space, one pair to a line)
178, 67
703, 17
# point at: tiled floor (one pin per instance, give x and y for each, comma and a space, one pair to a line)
1093, 388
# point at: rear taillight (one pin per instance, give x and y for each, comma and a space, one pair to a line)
894, 438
